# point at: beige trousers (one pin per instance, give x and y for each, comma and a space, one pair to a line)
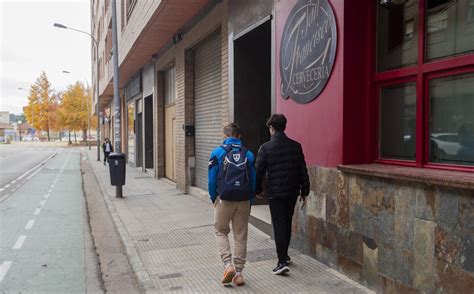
238, 213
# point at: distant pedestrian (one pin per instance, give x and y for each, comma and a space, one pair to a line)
281, 161
232, 190
107, 147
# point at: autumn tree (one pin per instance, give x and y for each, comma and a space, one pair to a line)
42, 107
74, 109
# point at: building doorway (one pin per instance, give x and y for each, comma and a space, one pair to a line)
207, 103
131, 133
139, 133
170, 123
170, 152
148, 109
252, 86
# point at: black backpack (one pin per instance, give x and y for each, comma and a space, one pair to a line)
233, 179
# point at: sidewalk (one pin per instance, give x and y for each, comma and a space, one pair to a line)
170, 243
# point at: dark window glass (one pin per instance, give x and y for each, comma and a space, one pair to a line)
397, 31
470, 11
452, 119
449, 28
398, 122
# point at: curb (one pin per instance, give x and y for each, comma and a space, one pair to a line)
144, 281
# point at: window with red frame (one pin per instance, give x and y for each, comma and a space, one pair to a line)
425, 83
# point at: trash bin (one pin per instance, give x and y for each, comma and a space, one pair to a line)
117, 169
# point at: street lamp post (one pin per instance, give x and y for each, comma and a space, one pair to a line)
117, 104
61, 26
88, 114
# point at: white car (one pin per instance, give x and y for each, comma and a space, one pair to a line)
448, 144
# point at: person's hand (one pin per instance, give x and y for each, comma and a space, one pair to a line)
215, 202
259, 195
303, 200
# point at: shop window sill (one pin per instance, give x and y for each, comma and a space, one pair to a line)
452, 179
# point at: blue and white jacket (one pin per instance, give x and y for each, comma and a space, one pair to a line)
216, 158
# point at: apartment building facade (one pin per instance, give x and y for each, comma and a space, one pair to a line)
379, 93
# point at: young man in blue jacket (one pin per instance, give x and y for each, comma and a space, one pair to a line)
232, 190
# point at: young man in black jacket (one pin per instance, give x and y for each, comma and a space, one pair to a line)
281, 161
107, 146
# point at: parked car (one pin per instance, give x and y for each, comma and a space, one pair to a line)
30, 139
446, 144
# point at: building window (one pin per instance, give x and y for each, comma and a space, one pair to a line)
130, 6
448, 28
122, 14
437, 21
170, 91
470, 11
425, 103
108, 44
397, 41
409, 29
452, 119
398, 121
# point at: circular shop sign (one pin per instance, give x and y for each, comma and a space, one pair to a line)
308, 50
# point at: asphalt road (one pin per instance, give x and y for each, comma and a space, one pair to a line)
45, 244
16, 160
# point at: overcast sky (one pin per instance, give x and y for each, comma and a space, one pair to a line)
30, 44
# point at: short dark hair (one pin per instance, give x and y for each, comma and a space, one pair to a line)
277, 121
232, 130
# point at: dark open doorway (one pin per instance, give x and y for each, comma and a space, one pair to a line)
252, 85
148, 107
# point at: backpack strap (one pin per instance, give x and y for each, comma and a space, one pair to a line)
226, 147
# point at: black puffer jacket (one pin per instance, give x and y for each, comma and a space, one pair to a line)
281, 160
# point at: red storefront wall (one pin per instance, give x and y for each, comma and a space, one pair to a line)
335, 127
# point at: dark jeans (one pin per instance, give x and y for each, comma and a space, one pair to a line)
282, 210
106, 156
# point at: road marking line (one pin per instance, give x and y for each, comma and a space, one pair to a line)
64, 165
6, 186
19, 242
46, 196
50, 190
37, 211
42, 203
4, 267
1, 189
33, 174
52, 186
36, 166
30, 224
13, 182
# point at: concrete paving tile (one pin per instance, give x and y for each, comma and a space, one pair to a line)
173, 235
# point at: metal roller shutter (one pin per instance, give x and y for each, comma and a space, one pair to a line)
207, 91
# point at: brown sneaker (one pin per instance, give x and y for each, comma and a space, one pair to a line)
229, 274
238, 280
